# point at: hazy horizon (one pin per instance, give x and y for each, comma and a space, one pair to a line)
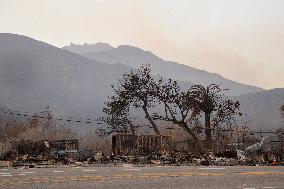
240, 40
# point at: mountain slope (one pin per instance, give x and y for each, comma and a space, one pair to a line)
134, 57
34, 75
262, 108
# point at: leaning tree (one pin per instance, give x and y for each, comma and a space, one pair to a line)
133, 90
177, 107
216, 107
139, 90
167, 102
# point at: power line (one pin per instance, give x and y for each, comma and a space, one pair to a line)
90, 121
33, 115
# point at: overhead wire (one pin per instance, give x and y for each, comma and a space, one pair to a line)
34, 115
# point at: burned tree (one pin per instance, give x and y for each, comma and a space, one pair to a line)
140, 90
178, 108
210, 100
167, 102
134, 89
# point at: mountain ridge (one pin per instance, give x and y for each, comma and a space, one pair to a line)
134, 56
96, 47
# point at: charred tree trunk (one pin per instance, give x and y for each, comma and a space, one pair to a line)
195, 139
147, 115
208, 134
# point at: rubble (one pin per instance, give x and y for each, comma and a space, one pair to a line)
174, 160
130, 150
99, 159
4, 163
27, 153
98, 156
44, 148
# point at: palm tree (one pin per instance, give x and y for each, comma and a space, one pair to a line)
210, 100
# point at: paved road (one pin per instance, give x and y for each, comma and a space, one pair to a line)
143, 177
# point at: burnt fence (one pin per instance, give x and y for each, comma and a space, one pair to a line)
125, 144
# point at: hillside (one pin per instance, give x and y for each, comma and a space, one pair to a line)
34, 75
262, 108
134, 57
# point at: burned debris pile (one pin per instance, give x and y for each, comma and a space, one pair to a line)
42, 152
45, 148
143, 150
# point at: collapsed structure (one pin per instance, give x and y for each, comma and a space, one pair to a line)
125, 144
45, 148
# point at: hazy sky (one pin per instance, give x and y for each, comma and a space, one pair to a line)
242, 40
